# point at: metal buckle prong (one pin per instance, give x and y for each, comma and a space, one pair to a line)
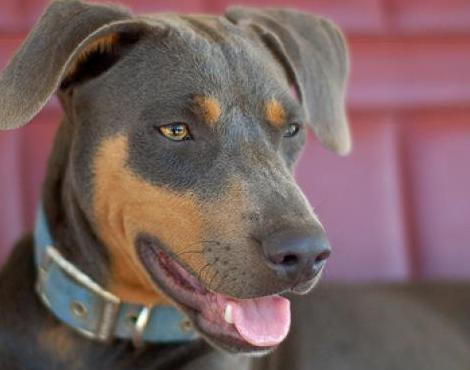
140, 326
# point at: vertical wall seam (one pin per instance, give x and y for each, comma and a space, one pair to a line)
407, 199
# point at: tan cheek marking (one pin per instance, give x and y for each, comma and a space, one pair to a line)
275, 113
126, 205
210, 108
102, 44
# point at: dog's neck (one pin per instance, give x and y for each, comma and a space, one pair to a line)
29, 326
72, 234
72, 267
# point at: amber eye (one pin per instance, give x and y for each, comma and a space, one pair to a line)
292, 130
175, 131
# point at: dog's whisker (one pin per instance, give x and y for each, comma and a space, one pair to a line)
189, 249
201, 270
212, 279
189, 252
208, 270
218, 285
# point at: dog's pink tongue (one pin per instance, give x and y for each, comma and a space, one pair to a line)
262, 322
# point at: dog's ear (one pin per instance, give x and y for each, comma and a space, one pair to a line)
67, 34
314, 53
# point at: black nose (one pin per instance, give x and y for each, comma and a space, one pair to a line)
296, 256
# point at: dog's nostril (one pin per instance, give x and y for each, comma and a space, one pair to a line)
290, 260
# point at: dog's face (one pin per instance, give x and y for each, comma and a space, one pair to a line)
186, 132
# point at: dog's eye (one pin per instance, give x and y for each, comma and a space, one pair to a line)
292, 130
176, 131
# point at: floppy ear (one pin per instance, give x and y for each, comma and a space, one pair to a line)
50, 52
314, 54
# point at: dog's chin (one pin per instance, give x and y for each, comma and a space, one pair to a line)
257, 327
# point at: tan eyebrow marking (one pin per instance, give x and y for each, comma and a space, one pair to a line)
275, 113
210, 108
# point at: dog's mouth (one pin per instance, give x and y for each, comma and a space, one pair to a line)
237, 325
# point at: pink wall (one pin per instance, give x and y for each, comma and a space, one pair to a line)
399, 206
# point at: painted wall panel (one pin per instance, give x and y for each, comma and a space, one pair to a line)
438, 175
359, 201
398, 207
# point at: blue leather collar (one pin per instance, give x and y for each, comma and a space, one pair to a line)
82, 304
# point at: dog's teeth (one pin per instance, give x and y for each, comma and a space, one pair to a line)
228, 315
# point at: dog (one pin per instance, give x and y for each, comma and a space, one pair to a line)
171, 228
170, 220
